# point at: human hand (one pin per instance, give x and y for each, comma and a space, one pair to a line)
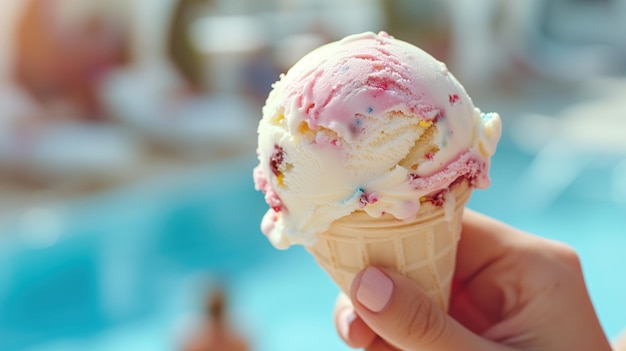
511, 291
620, 342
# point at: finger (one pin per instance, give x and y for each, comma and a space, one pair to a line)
483, 241
620, 342
351, 328
485, 250
396, 309
472, 312
380, 345
477, 300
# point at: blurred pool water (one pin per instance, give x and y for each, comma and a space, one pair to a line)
126, 270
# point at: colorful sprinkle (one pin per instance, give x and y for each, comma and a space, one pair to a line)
438, 199
453, 98
303, 128
357, 126
372, 198
366, 199
280, 178
370, 109
310, 107
425, 124
277, 159
362, 201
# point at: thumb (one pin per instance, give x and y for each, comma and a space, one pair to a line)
398, 311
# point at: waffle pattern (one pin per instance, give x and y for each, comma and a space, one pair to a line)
423, 249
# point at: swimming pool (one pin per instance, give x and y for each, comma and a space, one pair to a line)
125, 270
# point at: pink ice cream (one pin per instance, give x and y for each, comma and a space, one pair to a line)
366, 123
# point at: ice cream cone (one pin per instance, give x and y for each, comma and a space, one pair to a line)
423, 249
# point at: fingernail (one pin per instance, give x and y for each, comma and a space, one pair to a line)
346, 317
375, 289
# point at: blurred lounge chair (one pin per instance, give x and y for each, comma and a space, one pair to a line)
60, 153
40, 141
157, 100
584, 135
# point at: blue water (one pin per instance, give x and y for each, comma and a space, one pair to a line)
130, 267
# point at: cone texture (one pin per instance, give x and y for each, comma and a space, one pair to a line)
423, 249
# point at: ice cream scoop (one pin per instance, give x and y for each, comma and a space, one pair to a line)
371, 124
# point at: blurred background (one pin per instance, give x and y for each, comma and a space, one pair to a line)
128, 218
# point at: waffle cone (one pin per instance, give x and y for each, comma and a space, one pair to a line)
422, 249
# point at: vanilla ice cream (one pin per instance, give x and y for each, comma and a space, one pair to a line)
366, 123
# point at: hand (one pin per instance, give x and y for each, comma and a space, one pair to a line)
511, 291
620, 343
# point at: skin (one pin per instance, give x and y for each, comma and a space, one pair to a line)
512, 291
620, 343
